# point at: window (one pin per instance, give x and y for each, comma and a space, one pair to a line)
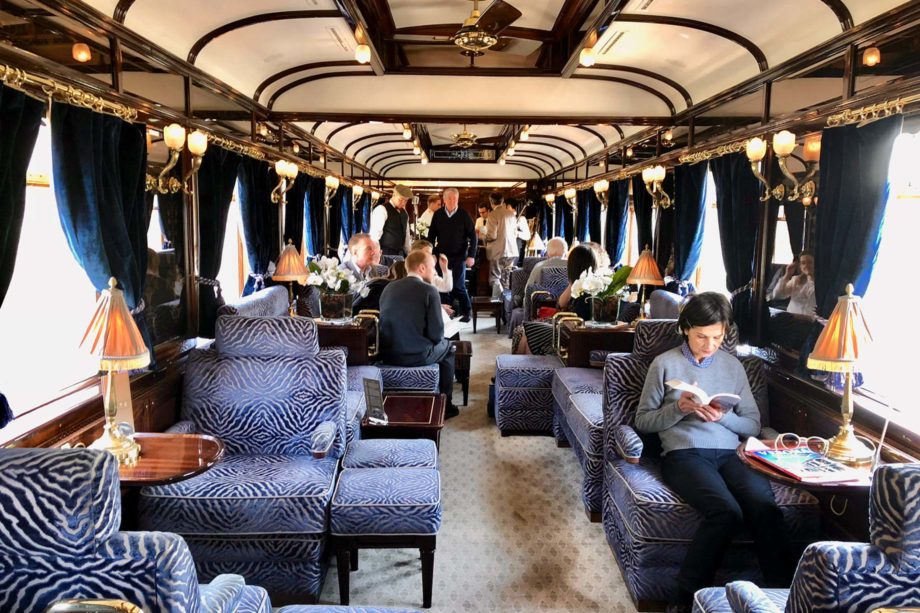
888, 305
156, 238
49, 303
710, 272
234, 264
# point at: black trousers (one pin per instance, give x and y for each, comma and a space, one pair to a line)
729, 496
459, 293
446, 372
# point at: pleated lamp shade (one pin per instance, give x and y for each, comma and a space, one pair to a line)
290, 265
645, 272
846, 332
112, 335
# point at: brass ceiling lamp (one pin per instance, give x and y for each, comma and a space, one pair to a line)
464, 139
470, 36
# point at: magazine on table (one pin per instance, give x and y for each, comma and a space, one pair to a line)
725, 400
803, 463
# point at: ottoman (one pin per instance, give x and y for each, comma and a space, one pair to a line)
524, 393
391, 453
394, 508
409, 378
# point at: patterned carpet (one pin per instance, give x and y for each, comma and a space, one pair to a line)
514, 535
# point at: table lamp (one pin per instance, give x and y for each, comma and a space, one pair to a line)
837, 350
290, 268
113, 337
645, 272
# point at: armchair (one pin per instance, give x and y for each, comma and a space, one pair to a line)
648, 527
269, 302
59, 539
278, 404
836, 576
513, 296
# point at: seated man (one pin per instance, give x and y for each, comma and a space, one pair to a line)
444, 283
556, 249
362, 251
412, 327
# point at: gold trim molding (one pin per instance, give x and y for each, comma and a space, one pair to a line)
708, 154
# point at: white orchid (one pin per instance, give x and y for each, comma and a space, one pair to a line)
600, 283
327, 277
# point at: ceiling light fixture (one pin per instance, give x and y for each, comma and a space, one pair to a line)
407, 134
668, 135
629, 152
464, 139
362, 54
872, 56
295, 148
587, 57
81, 52
416, 150
470, 36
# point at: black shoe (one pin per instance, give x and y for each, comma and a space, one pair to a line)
465, 319
451, 411
679, 608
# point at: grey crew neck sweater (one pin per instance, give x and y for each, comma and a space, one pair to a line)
658, 410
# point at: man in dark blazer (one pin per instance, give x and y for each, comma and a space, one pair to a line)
453, 234
412, 326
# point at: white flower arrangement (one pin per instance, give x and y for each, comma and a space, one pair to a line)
601, 283
327, 277
421, 228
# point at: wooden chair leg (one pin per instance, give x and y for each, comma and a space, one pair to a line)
343, 556
466, 389
354, 559
427, 556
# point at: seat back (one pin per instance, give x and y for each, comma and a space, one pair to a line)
265, 386
268, 302
663, 304
553, 279
59, 517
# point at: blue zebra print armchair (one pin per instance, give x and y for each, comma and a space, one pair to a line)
269, 302
59, 516
851, 577
649, 527
279, 405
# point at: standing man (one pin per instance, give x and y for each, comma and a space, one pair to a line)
501, 242
481, 221
390, 223
453, 235
412, 327
434, 203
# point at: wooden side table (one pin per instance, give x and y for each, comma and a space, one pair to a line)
485, 303
847, 487
411, 415
583, 340
167, 458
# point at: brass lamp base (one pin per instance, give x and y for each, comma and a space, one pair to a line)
847, 449
124, 448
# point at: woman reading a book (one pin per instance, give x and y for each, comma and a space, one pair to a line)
699, 442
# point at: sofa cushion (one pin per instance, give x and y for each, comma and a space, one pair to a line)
269, 302
526, 371
387, 501
409, 378
584, 413
391, 453
357, 375
245, 495
568, 381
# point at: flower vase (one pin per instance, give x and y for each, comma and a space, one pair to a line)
604, 311
335, 306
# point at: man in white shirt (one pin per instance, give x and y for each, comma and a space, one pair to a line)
390, 222
556, 250
501, 242
434, 203
481, 221
800, 289
444, 283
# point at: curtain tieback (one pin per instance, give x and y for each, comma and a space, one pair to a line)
211, 283
139, 308
746, 287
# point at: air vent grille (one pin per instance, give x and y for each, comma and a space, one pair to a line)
613, 41
645, 5
336, 37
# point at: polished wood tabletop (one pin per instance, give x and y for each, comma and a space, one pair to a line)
774, 475
411, 415
167, 458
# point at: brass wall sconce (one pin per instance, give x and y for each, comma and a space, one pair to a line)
375, 196
356, 192
571, 197
653, 177
287, 172
332, 185
174, 137
783, 146
601, 188
551, 203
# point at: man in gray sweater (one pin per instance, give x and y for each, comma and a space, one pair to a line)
699, 444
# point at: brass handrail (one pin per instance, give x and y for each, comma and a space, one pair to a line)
92, 605
558, 320
373, 316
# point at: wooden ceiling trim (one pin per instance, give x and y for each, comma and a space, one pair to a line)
646, 88
121, 10
252, 20
366, 137
650, 74
532, 143
841, 12
382, 142
301, 68
387, 154
340, 128
597, 134
570, 17
536, 155
702, 26
392, 165
316, 127
561, 140
449, 29
536, 169
309, 79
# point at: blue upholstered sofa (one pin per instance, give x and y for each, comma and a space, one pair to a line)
59, 516
648, 527
836, 576
513, 295
269, 302
277, 402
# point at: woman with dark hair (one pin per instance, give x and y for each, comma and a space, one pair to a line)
699, 443
537, 336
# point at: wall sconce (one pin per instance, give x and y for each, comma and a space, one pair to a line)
783, 146
587, 57
653, 177
174, 137
375, 196
295, 148
287, 172
601, 187
551, 203
629, 152
332, 185
424, 160
81, 53
872, 57
668, 136
756, 149
416, 150
407, 133
571, 195
362, 54
356, 192
262, 130
510, 152
501, 161
525, 133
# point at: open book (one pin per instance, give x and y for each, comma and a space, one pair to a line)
804, 463
451, 326
726, 401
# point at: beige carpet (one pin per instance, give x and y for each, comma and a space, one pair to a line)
514, 535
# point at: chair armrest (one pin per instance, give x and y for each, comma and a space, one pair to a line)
222, 595
323, 438
182, 427
628, 443
745, 597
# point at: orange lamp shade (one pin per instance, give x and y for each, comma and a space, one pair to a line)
645, 272
112, 335
845, 334
290, 265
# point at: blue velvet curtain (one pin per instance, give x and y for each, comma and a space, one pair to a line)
172, 217
99, 164
6, 413
20, 118
216, 180
642, 206
336, 218
314, 213
260, 219
366, 206
294, 211
738, 200
664, 227
690, 212
348, 216
589, 215
617, 218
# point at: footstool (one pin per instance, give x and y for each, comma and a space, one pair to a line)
391, 453
385, 508
462, 366
524, 393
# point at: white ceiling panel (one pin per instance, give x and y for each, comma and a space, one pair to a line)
447, 171
676, 98
864, 10
540, 14
270, 91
